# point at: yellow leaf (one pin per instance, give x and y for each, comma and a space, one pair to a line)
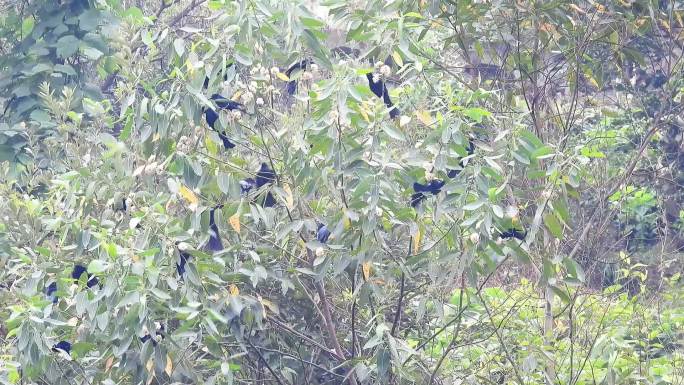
678, 15
269, 305
425, 117
366, 270
577, 9
364, 114
397, 59
169, 365
416, 242
665, 24
289, 198
234, 221
233, 290
149, 365
236, 95
189, 196
347, 223
593, 81
282, 77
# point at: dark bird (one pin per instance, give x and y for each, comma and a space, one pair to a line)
148, 337
299, 66
224, 103
344, 51
471, 147
416, 199
212, 116
225, 76
214, 243
78, 271
323, 233
63, 346
246, 185
513, 233
453, 173
434, 186
380, 90
50, 291
183, 258
263, 177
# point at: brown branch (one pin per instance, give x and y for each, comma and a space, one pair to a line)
186, 11
264, 361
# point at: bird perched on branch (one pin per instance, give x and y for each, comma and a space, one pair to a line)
50, 291
80, 270
266, 176
214, 243
221, 72
62, 346
212, 116
378, 87
293, 70
322, 234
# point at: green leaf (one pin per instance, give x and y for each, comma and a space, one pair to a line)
553, 225
473, 205
560, 293
179, 46
311, 23
160, 294
67, 46
92, 53
393, 132
476, 113
65, 69
97, 266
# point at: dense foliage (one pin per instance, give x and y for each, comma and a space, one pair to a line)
252, 192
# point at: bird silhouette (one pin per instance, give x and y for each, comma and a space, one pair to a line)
148, 337
434, 186
63, 346
416, 199
266, 176
212, 116
323, 233
214, 243
513, 233
80, 270
246, 185
298, 66
183, 258
380, 90
50, 291
220, 72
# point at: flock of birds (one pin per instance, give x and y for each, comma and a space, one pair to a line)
266, 176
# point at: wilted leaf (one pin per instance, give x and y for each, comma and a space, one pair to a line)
234, 221
366, 270
190, 197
